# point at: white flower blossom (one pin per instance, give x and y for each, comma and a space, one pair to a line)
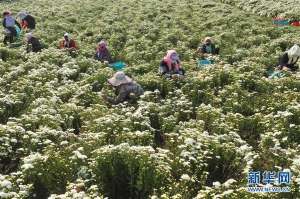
78, 155
185, 177
229, 182
217, 184
6, 184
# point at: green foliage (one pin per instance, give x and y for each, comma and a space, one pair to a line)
124, 172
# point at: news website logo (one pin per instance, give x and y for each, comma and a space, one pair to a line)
269, 181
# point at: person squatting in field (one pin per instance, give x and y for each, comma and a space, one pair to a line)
68, 43
170, 66
33, 43
27, 21
102, 52
11, 27
126, 89
208, 47
288, 60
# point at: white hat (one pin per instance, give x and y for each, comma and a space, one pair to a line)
119, 78
22, 14
66, 34
28, 35
294, 51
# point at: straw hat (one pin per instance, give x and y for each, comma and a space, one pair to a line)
208, 39
119, 78
22, 14
294, 51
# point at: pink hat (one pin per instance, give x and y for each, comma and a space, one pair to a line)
168, 60
102, 45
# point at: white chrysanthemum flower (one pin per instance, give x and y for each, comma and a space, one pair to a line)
6, 184
229, 182
64, 142
227, 192
78, 155
13, 140
217, 184
189, 141
284, 113
4, 195
27, 166
185, 177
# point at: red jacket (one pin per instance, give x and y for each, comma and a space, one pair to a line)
72, 44
24, 24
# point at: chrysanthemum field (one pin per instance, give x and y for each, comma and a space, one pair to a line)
194, 138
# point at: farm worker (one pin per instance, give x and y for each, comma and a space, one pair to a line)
33, 43
102, 53
27, 21
289, 59
67, 43
208, 47
126, 88
11, 26
171, 65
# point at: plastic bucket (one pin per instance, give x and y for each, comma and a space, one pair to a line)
281, 22
118, 65
204, 62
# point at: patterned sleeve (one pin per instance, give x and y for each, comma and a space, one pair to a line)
284, 59
124, 92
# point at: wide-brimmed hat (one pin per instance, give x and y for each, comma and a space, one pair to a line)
22, 14
294, 51
119, 78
